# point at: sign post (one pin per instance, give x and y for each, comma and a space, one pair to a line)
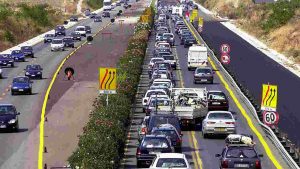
107, 81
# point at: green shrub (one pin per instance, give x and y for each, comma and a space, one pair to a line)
5, 12
8, 36
95, 4
37, 13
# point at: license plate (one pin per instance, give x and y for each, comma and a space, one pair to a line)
219, 129
152, 152
21, 90
216, 103
3, 126
241, 165
203, 80
33, 75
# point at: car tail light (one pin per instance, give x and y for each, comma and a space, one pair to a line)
178, 140
224, 164
257, 164
229, 122
138, 151
144, 131
210, 122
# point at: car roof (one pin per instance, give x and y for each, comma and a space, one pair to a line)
210, 112
215, 91
170, 155
159, 136
6, 104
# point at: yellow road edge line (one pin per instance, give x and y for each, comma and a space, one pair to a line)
197, 149
243, 111
42, 122
193, 152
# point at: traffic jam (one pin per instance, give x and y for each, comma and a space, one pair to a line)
170, 109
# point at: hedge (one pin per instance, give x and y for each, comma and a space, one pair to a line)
102, 143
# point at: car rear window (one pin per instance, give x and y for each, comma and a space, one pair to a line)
168, 57
203, 71
153, 142
156, 121
171, 163
16, 51
217, 96
169, 133
20, 80
219, 116
155, 92
241, 153
160, 102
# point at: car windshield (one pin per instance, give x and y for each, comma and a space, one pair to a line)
68, 40
151, 142
168, 36
88, 27
155, 60
49, 35
217, 96
60, 28
7, 109
155, 92
156, 121
33, 67
160, 102
75, 33
206, 71
171, 163
26, 48
20, 80
16, 52
80, 29
161, 84
219, 116
241, 153
57, 41
168, 57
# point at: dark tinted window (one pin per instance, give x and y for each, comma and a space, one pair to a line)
21, 80
170, 133
168, 57
171, 163
153, 142
7, 109
203, 71
26, 48
216, 96
16, 52
241, 153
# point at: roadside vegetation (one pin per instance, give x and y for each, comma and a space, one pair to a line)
94, 4
276, 24
102, 143
20, 22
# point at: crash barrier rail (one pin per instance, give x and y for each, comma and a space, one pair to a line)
288, 150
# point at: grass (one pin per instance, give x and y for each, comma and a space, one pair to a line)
95, 4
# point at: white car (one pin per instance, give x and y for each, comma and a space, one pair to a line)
218, 122
152, 92
1, 76
153, 60
81, 30
170, 160
57, 44
162, 44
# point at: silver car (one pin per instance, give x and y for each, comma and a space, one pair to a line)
218, 122
204, 75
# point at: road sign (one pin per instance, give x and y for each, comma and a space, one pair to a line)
107, 80
225, 48
194, 15
200, 22
270, 118
225, 59
269, 97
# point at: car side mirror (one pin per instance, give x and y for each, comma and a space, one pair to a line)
260, 155
218, 155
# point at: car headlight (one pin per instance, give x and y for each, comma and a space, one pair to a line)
27, 73
12, 121
15, 87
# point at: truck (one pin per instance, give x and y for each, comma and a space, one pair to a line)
177, 10
190, 105
197, 57
107, 5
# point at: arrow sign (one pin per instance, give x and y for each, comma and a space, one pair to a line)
107, 80
269, 97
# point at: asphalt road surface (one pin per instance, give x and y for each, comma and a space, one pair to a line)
30, 105
253, 68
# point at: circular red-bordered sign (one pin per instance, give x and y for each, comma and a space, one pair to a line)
225, 59
270, 118
225, 48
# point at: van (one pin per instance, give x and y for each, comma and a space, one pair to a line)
197, 57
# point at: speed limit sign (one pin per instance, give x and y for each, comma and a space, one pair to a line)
225, 48
270, 118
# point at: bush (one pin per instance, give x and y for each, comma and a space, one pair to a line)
8, 36
37, 13
95, 4
4, 12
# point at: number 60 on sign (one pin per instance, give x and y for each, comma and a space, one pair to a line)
270, 118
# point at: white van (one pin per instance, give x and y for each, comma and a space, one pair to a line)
197, 56
81, 30
107, 5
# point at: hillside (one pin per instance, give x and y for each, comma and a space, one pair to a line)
277, 25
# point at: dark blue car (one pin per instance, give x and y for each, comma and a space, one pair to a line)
34, 71
9, 117
28, 51
18, 55
6, 60
21, 85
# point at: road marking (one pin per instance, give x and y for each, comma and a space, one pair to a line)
193, 152
42, 122
243, 111
199, 161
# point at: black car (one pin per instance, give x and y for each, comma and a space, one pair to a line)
185, 36
92, 15
189, 41
98, 18
28, 51
217, 100
48, 38
60, 30
9, 117
149, 146
88, 29
105, 14
6, 59
74, 18
157, 119
76, 36
69, 42
34, 71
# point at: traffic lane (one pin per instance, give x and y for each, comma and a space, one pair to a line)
210, 147
243, 58
29, 106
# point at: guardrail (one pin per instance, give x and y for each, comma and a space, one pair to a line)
284, 149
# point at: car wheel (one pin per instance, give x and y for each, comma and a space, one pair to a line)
212, 82
51, 50
12, 93
195, 82
184, 46
41, 77
204, 135
189, 69
16, 129
30, 92
138, 164
12, 65
1, 76
24, 60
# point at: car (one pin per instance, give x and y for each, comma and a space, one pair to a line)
28, 51
171, 60
203, 75
118, 3
34, 71
57, 44
171, 132
76, 36
153, 60
18, 55
48, 37
158, 104
217, 100
159, 118
239, 156
60, 30
87, 12
81, 30
170, 160
21, 84
7, 59
92, 15
142, 128
162, 44
88, 29
9, 117
69, 42
74, 18
150, 93
98, 18
1, 71
125, 5
149, 146
159, 36
218, 122
105, 14
169, 37
189, 41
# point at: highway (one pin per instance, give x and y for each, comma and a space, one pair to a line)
30, 105
253, 68
201, 152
